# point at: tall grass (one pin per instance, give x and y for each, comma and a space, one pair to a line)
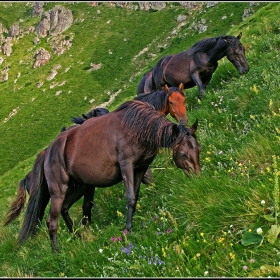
223, 223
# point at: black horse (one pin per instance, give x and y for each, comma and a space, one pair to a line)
195, 66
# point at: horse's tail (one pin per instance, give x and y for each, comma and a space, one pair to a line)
32, 215
78, 120
17, 206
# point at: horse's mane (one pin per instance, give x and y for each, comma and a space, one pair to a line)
157, 98
206, 44
150, 128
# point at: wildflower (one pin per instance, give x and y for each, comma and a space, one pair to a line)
232, 256
168, 230
163, 252
206, 273
119, 238
262, 202
61, 274
120, 214
155, 218
245, 267
221, 240
100, 250
259, 230
252, 260
249, 230
207, 159
202, 234
119, 198
113, 239
124, 232
255, 89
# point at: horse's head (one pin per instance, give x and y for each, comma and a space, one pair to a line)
186, 154
236, 54
176, 103
97, 112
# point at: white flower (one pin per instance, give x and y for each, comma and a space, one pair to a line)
100, 250
259, 230
205, 273
262, 202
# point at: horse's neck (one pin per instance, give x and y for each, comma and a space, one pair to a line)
216, 53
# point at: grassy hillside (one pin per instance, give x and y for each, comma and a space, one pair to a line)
223, 223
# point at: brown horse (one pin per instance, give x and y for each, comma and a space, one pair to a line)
195, 66
168, 101
101, 157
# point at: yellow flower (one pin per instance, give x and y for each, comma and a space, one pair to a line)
252, 117
221, 239
232, 256
201, 234
207, 159
120, 214
255, 89
163, 252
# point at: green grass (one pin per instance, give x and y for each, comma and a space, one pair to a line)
183, 227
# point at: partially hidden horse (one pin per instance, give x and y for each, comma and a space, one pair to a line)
99, 157
168, 101
195, 66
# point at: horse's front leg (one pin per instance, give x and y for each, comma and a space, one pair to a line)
128, 179
138, 178
196, 78
87, 205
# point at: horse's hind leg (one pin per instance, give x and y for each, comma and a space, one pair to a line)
87, 205
52, 220
73, 194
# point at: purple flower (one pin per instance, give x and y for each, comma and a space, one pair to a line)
252, 260
124, 232
168, 230
113, 239
119, 238
245, 267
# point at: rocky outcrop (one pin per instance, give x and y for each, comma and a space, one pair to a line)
7, 47
38, 9
54, 22
14, 30
42, 57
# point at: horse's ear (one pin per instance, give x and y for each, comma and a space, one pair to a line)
166, 88
193, 128
181, 86
239, 36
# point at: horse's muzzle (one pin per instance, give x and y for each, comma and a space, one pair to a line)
243, 71
184, 122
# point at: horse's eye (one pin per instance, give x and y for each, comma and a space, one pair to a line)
184, 155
